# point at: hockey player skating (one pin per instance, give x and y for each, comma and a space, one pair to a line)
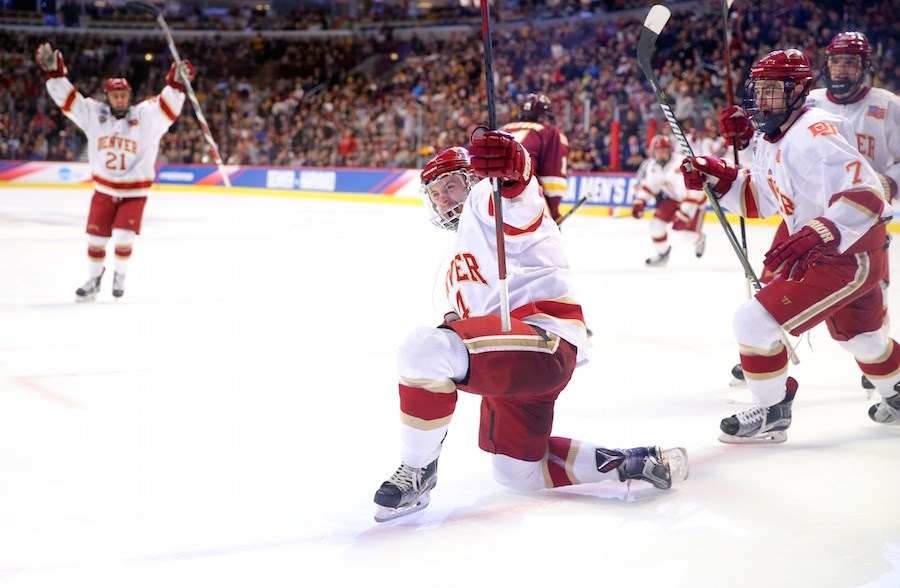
520, 373
548, 147
683, 209
806, 168
122, 143
874, 114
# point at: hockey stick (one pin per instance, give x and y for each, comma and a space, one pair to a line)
572, 210
726, 6
653, 25
498, 208
189, 90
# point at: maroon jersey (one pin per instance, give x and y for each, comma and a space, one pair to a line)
549, 149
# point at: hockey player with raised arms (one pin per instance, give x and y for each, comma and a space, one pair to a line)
807, 169
122, 146
520, 373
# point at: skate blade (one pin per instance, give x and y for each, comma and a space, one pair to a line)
737, 383
86, 298
766, 438
384, 513
676, 459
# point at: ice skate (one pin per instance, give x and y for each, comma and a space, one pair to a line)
761, 424
650, 464
118, 284
659, 260
407, 491
886, 412
737, 376
700, 246
89, 291
868, 386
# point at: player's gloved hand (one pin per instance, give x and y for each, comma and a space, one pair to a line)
792, 257
685, 219
50, 61
496, 154
637, 209
721, 173
179, 76
889, 186
735, 125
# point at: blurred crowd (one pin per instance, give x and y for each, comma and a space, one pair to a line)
373, 100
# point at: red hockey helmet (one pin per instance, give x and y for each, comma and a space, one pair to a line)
446, 182
116, 84
535, 107
791, 68
660, 142
848, 62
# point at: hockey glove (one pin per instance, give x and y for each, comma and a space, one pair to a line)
637, 209
553, 207
889, 186
721, 173
50, 60
179, 76
792, 257
496, 154
735, 125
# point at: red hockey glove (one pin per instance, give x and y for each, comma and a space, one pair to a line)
720, 173
496, 154
735, 125
50, 60
179, 77
792, 257
637, 209
889, 186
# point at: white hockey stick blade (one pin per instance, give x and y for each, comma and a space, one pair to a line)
384, 514
657, 18
767, 438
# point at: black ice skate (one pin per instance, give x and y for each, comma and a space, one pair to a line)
118, 284
737, 376
406, 492
650, 464
886, 412
90, 289
659, 260
761, 424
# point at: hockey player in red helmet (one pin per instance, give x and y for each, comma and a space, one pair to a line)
807, 168
519, 372
118, 96
660, 181
847, 66
446, 182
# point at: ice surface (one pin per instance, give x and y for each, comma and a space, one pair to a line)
228, 421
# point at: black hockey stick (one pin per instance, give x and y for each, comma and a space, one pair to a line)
498, 208
189, 90
572, 210
726, 6
653, 24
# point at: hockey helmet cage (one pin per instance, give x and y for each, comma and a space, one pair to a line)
854, 44
789, 66
445, 184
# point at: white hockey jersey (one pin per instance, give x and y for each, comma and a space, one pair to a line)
122, 151
812, 170
875, 117
668, 179
538, 276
